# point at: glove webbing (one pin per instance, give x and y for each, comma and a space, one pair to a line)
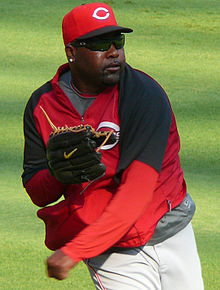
77, 129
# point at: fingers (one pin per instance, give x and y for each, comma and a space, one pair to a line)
59, 265
67, 139
56, 273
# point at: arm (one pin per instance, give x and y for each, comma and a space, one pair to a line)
130, 201
132, 198
43, 188
39, 184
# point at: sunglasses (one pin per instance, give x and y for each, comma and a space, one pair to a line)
102, 44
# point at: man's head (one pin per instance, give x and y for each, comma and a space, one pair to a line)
94, 45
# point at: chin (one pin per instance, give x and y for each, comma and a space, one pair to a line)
111, 80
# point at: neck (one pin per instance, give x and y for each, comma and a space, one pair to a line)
80, 92
86, 88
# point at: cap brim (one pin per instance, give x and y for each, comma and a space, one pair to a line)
104, 30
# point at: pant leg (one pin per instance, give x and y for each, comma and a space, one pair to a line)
171, 265
179, 262
125, 270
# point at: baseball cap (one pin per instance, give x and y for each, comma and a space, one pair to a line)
90, 20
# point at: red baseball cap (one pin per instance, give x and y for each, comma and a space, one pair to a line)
89, 20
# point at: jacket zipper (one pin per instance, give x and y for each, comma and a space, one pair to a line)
169, 205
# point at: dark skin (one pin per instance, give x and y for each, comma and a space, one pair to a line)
59, 265
92, 72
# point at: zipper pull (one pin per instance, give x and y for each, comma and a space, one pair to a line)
82, 119
169, 205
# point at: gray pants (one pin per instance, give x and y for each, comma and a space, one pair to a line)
171, 265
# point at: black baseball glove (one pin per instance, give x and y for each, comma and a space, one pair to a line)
72, 153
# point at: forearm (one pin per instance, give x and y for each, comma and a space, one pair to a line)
132, 198
44, 189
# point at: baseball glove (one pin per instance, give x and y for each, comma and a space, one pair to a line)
73, 152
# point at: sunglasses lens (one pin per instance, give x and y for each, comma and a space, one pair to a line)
99, 45
120, 42
105, 44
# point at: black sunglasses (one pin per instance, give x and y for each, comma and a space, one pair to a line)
101, 44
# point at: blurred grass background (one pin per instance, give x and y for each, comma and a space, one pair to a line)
177, 43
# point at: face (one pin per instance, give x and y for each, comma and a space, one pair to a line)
96, 70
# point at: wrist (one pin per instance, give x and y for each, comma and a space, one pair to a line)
66, 250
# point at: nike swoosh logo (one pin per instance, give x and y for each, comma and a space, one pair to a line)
67, 156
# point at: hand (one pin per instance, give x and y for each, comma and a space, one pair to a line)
72, 157
58, 265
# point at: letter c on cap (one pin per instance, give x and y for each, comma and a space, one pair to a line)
100, 17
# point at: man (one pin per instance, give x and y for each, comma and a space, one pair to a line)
126, 211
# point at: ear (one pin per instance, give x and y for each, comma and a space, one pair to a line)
70, 53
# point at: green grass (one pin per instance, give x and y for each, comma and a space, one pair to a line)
176, 42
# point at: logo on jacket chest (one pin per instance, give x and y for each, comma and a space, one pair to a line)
107, 126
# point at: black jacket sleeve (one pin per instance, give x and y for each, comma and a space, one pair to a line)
145, 120
34, 148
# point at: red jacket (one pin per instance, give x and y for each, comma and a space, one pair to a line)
143, 177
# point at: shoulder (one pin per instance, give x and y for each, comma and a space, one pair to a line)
45, 88
142, 93
132, 77
36, 95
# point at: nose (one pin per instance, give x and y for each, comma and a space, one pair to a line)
113, 51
